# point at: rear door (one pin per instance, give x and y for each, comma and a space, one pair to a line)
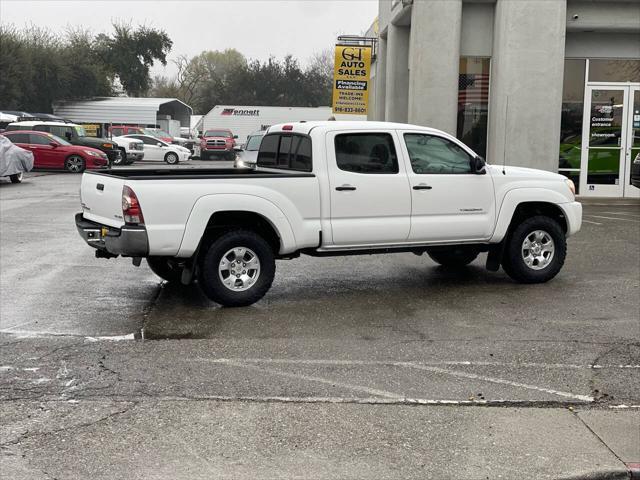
22, 140
370, 198
41, 146
152, 151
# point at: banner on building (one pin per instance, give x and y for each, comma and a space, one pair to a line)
351, 79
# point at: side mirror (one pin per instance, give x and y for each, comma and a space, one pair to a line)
199, 135
53, 144
159, 144
478, 166
235, 136
238, 148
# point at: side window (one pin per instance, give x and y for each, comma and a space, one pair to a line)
436, 155
147, 140
36, 139
268, 151
19, 138
366, 153
40, 128
302, 160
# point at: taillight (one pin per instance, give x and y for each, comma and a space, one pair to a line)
131, 209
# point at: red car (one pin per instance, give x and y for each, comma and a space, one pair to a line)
51, 152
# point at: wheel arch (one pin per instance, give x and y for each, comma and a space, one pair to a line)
520, 204
211, 214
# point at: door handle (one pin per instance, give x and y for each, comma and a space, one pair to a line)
422, 186
345, 187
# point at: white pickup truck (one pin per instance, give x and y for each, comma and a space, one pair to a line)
331, 188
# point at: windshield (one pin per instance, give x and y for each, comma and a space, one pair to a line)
217, 133
156, 132
80, 131
254, 143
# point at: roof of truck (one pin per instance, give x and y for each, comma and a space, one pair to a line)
306, 127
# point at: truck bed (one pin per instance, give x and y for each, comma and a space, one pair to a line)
196, 173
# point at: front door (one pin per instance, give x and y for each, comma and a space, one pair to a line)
608, 141
450, 203
369, 189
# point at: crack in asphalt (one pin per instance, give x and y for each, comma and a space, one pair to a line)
26, 435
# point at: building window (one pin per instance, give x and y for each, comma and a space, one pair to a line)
614, 70
571, 120
473, 102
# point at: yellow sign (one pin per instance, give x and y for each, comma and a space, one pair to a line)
91, 129
351, 79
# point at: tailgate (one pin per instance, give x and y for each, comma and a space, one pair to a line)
101, 199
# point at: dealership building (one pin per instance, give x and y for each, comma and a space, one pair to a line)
550, 84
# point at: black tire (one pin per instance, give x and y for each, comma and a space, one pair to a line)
171, 158
165, 268
122, 159
75, 164
16, 178
209, 277
514, 263
453, 257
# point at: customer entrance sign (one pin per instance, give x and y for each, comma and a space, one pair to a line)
351, 76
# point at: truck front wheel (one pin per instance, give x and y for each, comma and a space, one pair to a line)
535, 250
453, 257
237, 269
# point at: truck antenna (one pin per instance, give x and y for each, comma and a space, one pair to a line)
504, 146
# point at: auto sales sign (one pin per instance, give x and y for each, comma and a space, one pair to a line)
351, 79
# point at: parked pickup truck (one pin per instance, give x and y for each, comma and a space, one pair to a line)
331, 188
219, 143
131, 150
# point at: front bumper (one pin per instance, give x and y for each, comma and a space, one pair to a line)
135, 155
128, 241
573, 215
113, 155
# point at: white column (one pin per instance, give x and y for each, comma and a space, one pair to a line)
397, 84
434, 63
527, 67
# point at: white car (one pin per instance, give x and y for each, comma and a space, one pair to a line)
156, 150
248, 154
332, 188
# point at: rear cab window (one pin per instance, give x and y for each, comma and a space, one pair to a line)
286, 151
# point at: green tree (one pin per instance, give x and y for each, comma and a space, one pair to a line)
129, 53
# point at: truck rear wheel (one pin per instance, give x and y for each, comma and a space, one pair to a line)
165, 269
453, 257
237, 269
535, 250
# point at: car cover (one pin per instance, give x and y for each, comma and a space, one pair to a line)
13, 159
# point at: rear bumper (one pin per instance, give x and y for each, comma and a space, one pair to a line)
128, 241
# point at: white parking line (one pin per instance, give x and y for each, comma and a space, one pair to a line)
370, 391
390, 363
614, 218
587, 221
383, 393
622, 213
574, 396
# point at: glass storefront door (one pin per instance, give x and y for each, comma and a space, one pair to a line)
608, 140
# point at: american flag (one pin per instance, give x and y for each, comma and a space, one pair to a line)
473, 88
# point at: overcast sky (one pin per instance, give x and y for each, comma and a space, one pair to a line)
257, 28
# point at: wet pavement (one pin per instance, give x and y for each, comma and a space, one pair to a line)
383, 331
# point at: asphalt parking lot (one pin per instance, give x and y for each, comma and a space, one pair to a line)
386, 365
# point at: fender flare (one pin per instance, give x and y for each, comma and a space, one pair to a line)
517, 196
207, 205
